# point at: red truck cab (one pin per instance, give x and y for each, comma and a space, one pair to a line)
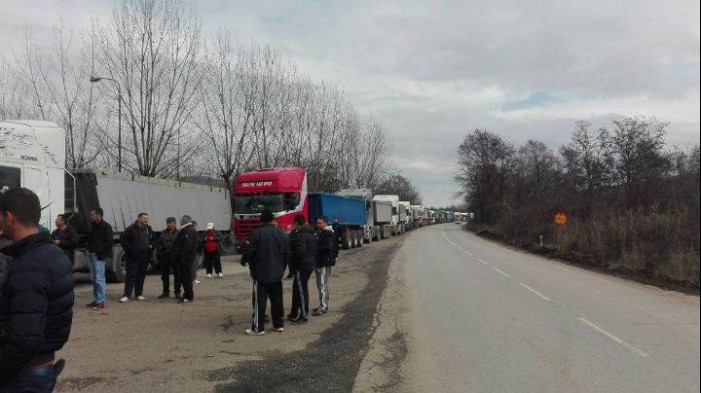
283, 191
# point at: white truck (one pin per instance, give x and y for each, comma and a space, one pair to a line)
32, 155
394, 225
405, 218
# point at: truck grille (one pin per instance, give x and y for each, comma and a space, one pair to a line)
245, 227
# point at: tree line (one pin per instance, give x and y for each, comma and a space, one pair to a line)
632, 203
191, 105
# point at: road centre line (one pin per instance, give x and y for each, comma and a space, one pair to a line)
483, 261
535, 292
612, 337
468, 252
503, 273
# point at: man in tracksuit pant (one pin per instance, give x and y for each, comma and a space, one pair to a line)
267, 253
326, 253
302, 263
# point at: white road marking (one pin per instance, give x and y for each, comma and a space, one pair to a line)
534, 291
614, 338
483, 261
468, 252
503, 273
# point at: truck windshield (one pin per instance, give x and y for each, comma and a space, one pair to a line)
9, 177
252, 204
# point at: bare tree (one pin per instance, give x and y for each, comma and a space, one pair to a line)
152, 49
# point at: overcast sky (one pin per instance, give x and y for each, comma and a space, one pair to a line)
430, 71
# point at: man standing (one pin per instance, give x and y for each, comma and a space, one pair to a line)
36, 298
326, 253
267, 253
212, 245
302, 262
65, 237
98, 251
184, 253
165, 259
137, 242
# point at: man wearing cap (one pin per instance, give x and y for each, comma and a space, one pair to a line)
164, 250
267, 253
213, 246
36, 298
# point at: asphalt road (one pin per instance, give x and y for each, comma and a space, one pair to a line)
479, 317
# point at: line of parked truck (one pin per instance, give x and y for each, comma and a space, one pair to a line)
32, 155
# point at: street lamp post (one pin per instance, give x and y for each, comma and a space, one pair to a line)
119, 118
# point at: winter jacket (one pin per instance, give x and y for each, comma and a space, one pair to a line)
326, 248
267, 252
100, 240
165, 242
185, 245
36, 304
212, 235
137, 241
68, 241
302, 249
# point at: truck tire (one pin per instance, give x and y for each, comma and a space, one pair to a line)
116, 267
345, 240
361, 238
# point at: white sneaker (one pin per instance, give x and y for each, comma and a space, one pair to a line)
140, 298
221, 275
197, 281
209, 275
124, 299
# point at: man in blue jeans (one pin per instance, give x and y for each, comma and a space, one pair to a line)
36, 298
99, 250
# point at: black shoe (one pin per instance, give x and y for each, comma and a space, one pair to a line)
178, 296
91, 304
292, 317
299, 321
164, 295
320, 311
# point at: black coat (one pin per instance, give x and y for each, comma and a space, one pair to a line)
36, 303
326, 248
267, 253
100, 240
302, 249
68, 241
135, 247
185, 245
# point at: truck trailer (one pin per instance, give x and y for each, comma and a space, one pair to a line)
32, 155
350, 213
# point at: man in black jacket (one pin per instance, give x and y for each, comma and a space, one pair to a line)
302, 262
165, 259
65, 237
137, 242
184, 253
267, 253
98, 252
326, 253
36, 298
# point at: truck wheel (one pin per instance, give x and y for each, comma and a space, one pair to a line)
116, 267
361, 238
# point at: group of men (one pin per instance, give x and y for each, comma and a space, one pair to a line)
306, 251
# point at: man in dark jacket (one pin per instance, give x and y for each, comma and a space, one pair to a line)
98, 252
36, 298
137, 242
267, 253
184, 253
302, 262
326, 253
65, 237
165, 259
